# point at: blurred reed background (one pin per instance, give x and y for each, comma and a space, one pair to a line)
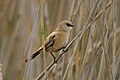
95, 54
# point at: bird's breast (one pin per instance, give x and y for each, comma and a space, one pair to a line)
61, 41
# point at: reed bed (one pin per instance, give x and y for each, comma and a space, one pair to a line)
93, 48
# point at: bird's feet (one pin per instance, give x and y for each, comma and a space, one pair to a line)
55, 60
64, 50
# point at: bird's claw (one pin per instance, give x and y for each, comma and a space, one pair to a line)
64, 50
55, 60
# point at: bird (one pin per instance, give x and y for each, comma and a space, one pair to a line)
56, 41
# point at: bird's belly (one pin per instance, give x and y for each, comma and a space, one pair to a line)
59, 44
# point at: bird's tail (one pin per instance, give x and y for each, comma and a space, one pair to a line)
35, 54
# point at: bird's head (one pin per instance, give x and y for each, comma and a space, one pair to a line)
65, 25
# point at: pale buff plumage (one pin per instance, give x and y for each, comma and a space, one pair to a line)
57, 40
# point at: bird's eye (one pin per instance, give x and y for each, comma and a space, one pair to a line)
70, 25
53, 36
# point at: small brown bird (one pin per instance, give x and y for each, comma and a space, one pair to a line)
57, 40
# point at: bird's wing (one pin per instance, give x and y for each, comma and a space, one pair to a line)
50, 41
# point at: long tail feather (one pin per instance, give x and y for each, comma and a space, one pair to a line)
35, 54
